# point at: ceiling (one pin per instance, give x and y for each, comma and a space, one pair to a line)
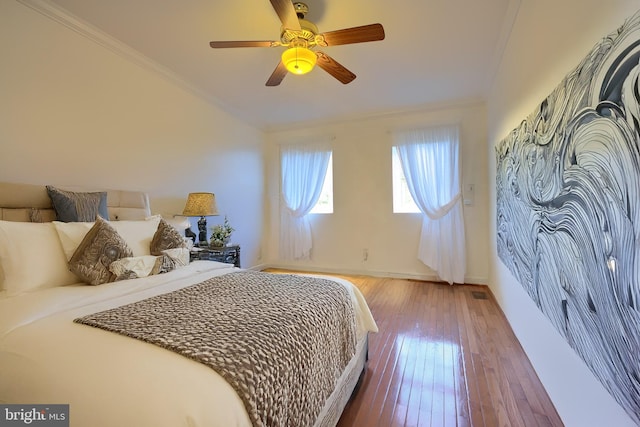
435, 52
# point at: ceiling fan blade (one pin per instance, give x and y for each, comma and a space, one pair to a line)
365, 33
287, 14
277, 75
332, 67
257, 43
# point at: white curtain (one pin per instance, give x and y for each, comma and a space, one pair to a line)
429, 159
304, 168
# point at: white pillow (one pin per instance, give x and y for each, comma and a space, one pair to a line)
180, 223
71, 235
137, 234
143, 266
140, 265
32, 257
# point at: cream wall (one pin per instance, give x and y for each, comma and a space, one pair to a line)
363, 217
75, 113
548, 40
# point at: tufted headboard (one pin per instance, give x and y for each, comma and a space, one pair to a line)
19, 201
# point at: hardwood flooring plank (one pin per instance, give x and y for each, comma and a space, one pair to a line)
415, 382
393, 371
443, 357
468, 344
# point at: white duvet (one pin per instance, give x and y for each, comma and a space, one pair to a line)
112, 380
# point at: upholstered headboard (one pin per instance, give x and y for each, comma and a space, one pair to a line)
19, 202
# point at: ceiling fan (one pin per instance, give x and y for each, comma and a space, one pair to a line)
301, 37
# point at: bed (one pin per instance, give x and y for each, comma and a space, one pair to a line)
52, 353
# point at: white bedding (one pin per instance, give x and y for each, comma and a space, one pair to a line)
109, 379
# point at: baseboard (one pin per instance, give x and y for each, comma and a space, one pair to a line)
259, 267
471, 280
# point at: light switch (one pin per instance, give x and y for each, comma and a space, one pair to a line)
469, 194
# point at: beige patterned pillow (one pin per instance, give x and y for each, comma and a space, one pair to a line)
133, 267
166, 237
143, 266
41, 215
100, 247
35, 215
180, 255
164, 264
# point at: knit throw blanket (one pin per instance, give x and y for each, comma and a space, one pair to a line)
281, 341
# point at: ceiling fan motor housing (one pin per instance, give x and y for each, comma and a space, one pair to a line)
301, 9
308, 31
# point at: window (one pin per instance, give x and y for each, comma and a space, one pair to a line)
303, 169
325, 202
429, 157
402, 200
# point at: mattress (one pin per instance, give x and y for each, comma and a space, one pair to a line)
109, 379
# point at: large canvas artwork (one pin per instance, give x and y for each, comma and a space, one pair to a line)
568, 210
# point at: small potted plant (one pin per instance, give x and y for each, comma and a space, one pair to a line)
220, 234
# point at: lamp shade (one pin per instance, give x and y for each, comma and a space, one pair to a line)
200, 204
299, 60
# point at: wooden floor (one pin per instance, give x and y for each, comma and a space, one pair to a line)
444, 356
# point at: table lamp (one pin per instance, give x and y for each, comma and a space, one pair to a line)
202, 205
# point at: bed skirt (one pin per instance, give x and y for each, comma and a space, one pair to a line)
346, 385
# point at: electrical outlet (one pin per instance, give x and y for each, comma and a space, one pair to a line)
365, 254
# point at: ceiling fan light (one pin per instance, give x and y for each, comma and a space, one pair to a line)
299, 60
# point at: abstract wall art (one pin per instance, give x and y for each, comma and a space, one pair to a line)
568, 210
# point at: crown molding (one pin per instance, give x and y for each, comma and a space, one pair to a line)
472, 102
505, 34
67, 19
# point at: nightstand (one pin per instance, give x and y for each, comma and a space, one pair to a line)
227, 254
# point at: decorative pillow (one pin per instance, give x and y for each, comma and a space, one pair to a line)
164, 264
181, 256
138, 234
142, 266
35, 215
133, 267
78, 207
182, 224
31, 257
166, 237
100, 247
